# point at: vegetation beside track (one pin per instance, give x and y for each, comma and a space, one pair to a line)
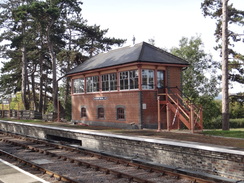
234, 133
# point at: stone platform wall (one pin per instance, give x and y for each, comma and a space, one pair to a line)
190, 156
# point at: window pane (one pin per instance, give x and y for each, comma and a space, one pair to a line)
129, 80
109, 82
100, 112
113, 81
105, 82
95, 83
160, 79
83, 112
147, 79
78, 85
92, 84
120, 113
88, 84
124, 79
150, 79
133, 79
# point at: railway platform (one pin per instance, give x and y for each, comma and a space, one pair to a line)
12, 174
214, 160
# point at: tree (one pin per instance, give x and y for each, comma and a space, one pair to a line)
194, 81
196, 85
45, 38
225, 83
217, 9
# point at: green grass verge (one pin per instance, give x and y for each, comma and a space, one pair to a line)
23, 120
235, 133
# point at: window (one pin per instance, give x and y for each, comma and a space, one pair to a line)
100, 113
124, 80
83, 112
147, 79
113, 81
160, 79
78, 85
109, 82
133, 84
120, 113
92, 84
129, 80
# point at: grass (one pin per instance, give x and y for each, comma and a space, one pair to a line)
24, 120
234, 133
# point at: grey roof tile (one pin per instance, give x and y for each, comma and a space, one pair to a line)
141, 52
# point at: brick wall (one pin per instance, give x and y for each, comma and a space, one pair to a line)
173, 77
129, 100
195, 157
150, 113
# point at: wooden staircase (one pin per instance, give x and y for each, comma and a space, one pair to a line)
179, 110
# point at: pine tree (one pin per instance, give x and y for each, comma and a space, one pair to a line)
45, 38
232, 69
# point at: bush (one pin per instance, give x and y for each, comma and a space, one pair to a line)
217, 123
237, 123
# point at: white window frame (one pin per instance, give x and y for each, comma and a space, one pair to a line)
147, 76
160, 79
92, 84
79, 85
109, 82
130, 78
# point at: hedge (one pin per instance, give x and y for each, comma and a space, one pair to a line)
217, 123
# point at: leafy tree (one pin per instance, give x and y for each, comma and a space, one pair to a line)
199, 87
195, 82
236, 110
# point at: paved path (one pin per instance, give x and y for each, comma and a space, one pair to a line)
12, 174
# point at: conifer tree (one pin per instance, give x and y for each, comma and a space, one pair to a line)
234, 67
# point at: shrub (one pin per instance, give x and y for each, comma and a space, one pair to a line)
217, 123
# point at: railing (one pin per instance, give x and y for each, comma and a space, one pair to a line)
182, 107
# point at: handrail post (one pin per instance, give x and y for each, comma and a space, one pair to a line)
168, 117
178, 121
192, 118
159, 116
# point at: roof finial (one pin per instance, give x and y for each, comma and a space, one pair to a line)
134, 39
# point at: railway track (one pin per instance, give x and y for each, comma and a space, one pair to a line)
74, 164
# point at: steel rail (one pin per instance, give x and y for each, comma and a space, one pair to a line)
81, 163
36, 167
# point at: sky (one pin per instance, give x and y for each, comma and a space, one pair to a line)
165, 21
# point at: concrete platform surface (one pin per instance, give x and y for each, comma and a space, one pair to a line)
12, 174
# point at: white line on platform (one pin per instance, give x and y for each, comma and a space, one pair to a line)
24, 172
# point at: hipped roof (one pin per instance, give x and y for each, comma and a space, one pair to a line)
141, 52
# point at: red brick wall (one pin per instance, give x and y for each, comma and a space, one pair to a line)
150, 114
130, 100
174, 77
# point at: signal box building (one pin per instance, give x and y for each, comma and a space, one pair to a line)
130, 87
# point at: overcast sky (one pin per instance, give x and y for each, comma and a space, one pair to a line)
166, 21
